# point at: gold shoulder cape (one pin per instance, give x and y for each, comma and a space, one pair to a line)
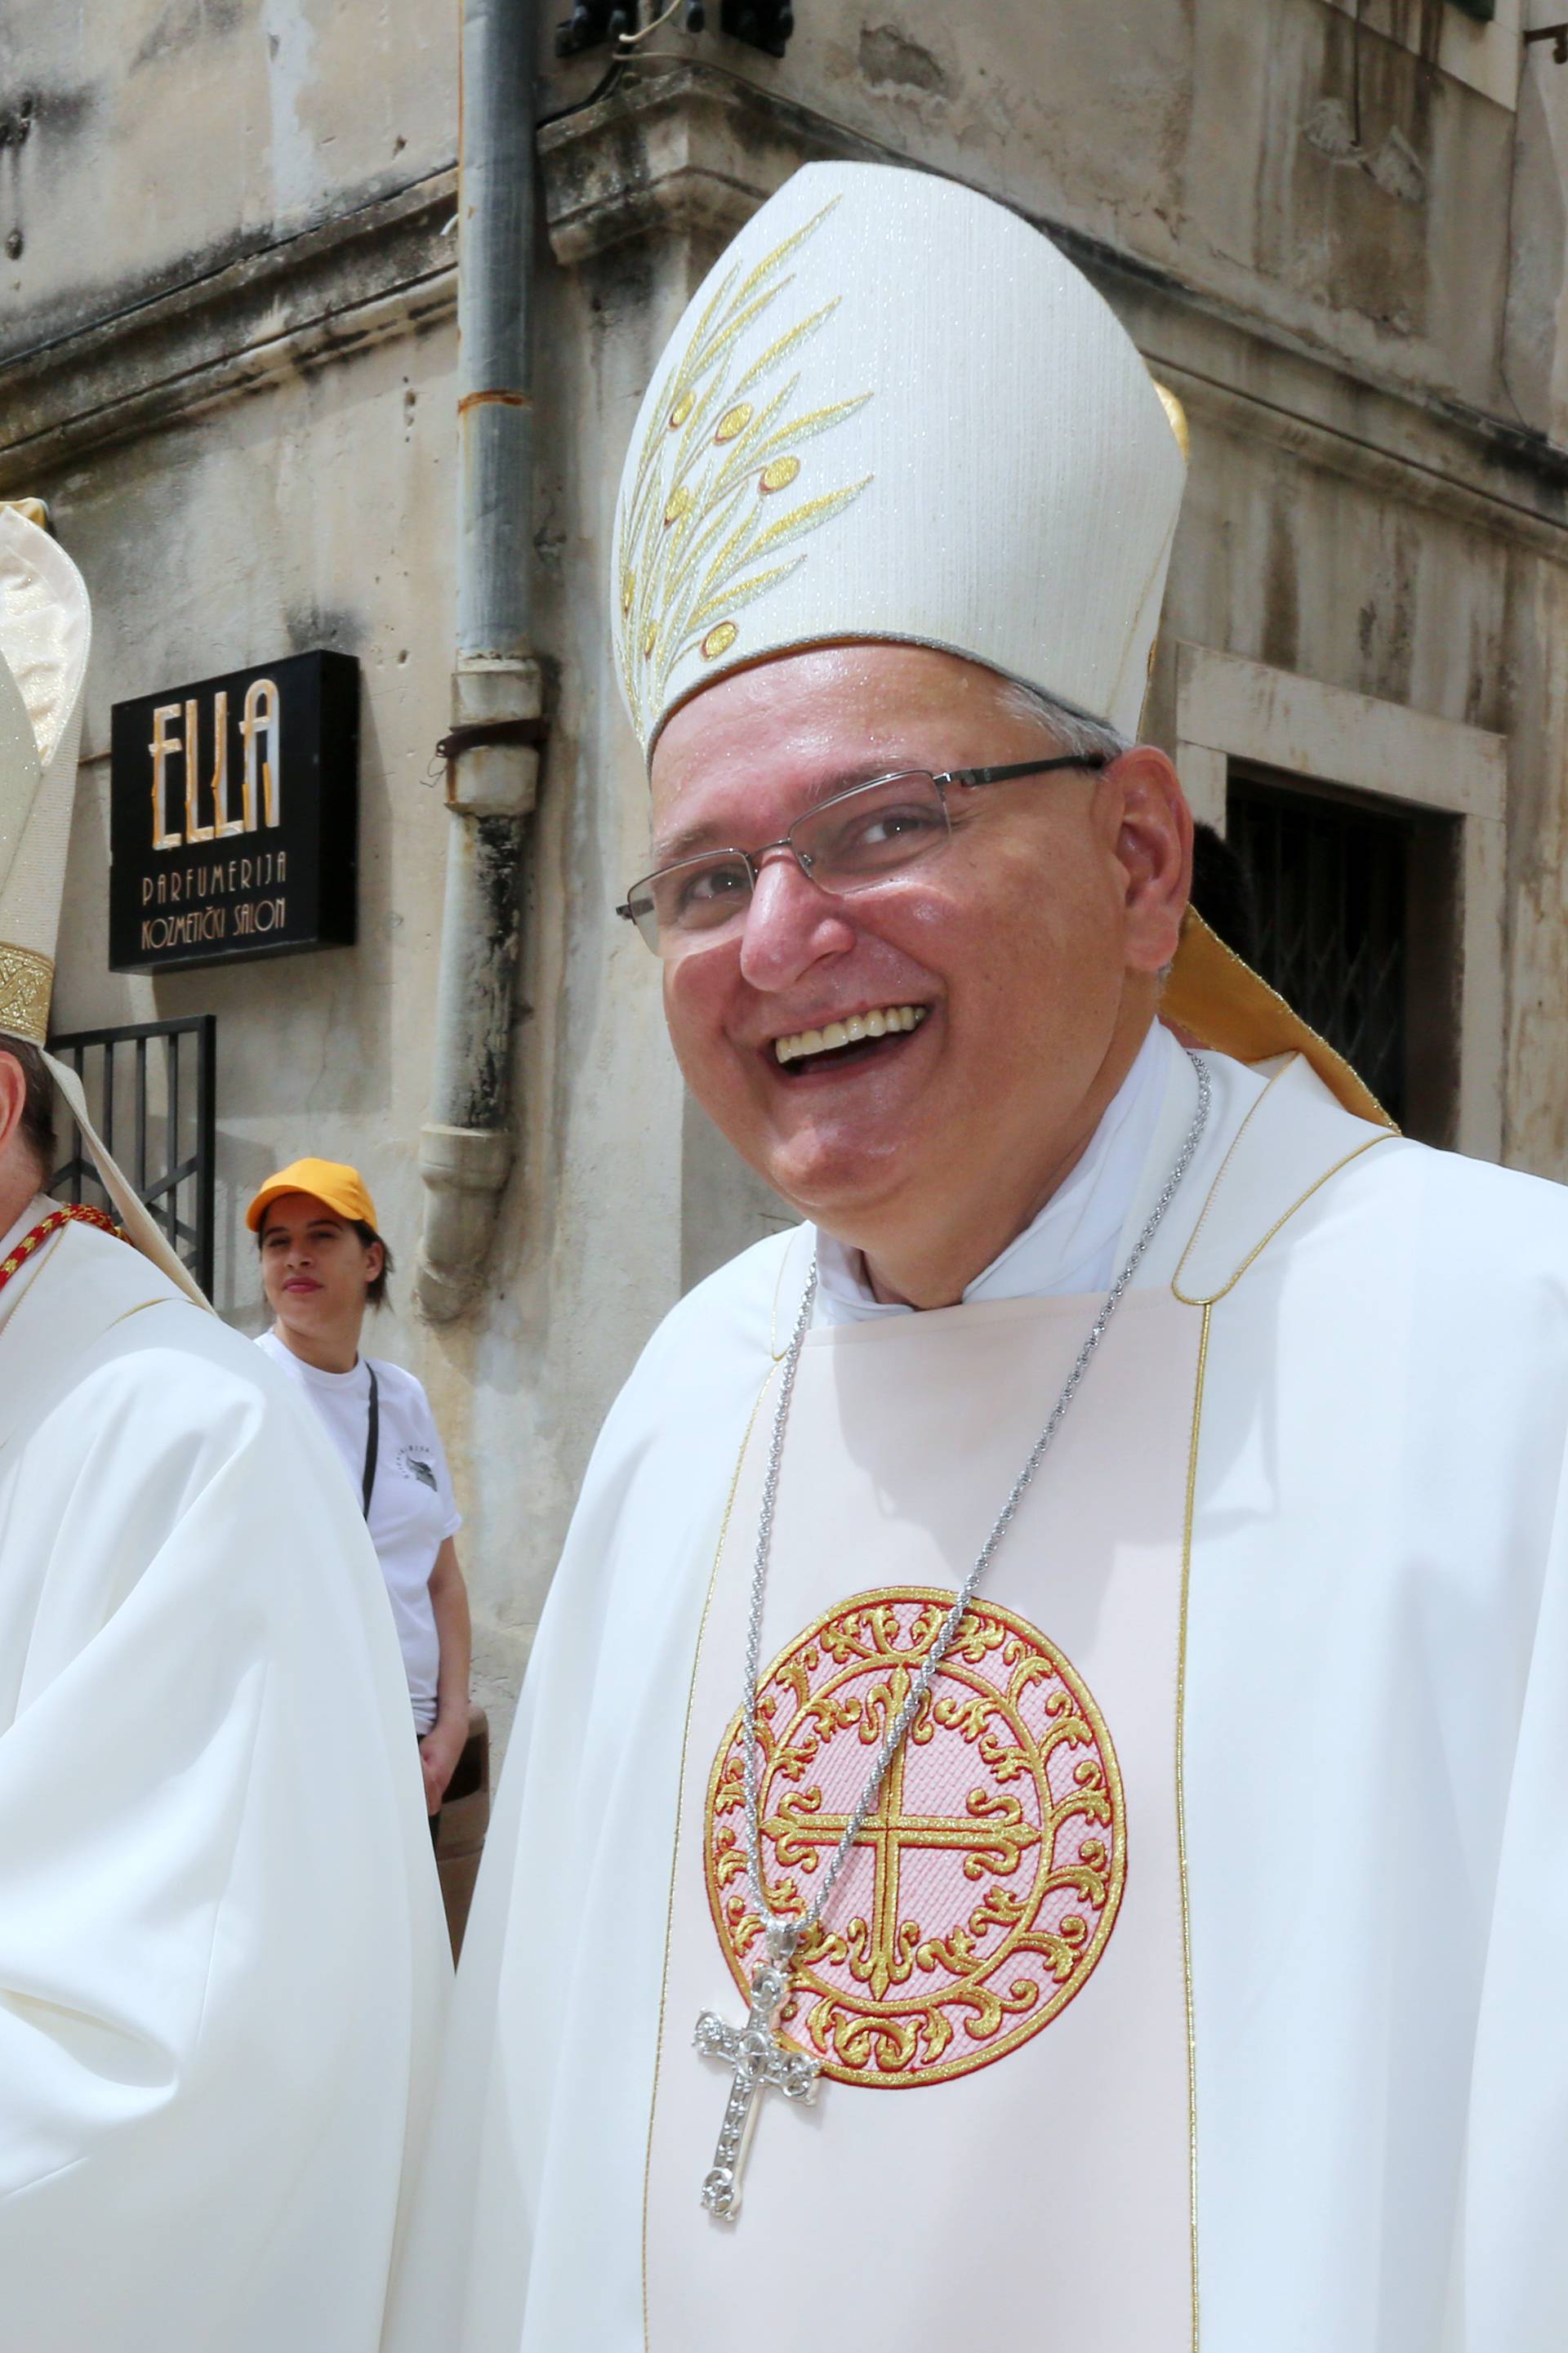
1221, 1002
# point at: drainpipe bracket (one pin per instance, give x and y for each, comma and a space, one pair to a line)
464, 1159
492, 749
497, 686
464, 1170
493, 768
493, 780
492, 731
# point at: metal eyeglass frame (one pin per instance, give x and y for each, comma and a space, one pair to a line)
971, 777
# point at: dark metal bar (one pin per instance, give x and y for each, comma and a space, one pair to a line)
71, 1040
172, 1149
158, 1186
206, 1149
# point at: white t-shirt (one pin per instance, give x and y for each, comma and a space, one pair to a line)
411, 1507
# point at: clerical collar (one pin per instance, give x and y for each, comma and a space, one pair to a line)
1071, 1245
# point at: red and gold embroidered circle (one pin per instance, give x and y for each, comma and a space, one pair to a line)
983, 1888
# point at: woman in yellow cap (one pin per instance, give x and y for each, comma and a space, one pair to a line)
323, 1262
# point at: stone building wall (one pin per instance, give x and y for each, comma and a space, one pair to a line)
227, 361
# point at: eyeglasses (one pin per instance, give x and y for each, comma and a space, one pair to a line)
849, 843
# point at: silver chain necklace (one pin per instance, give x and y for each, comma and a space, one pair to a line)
759, 2058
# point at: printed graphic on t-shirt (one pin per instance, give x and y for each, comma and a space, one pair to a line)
414, 1463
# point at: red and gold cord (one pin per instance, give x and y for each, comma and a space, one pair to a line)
78, 1211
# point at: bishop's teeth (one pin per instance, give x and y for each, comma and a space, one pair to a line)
884, 1023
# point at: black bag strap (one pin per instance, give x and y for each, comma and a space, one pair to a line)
372, 1436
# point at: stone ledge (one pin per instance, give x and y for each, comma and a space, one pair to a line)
677, 151
382, 269
681, 151
684, 152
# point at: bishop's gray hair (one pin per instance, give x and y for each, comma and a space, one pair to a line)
1071, 730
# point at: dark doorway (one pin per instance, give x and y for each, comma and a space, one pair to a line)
1357, 923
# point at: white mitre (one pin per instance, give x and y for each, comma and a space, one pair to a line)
893, 410
45, 629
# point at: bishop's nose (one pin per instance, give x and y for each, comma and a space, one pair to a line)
789, 925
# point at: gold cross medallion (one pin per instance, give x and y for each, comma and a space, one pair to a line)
986, 1883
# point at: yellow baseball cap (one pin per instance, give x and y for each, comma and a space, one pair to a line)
343, 1189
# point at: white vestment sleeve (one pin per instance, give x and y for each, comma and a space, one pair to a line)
1512, 2265
596, 1741
525, 1966
219, 1936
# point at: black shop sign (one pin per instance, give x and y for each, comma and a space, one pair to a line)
234, 816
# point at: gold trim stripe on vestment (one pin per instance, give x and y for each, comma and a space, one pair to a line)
679, 1804
1207, 1299
1206, 1305
1182, 1800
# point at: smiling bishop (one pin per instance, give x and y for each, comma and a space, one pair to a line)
1039, 1813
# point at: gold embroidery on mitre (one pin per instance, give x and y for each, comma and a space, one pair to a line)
27, 983
696, 519
988, 1877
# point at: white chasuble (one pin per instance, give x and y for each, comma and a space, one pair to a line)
1373, 1762
221, 1954
998, 1997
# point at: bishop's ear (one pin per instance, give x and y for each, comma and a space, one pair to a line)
27, 1127
13, 1100
1154, 850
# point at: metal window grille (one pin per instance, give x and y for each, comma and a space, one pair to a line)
1332, 881
156, 1082
1358, 906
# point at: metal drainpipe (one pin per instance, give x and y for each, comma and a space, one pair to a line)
464, 1148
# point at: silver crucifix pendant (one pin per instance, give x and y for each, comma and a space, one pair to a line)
762, 2063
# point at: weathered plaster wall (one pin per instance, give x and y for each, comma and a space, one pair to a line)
222, 542
232, 214
1363, 206
164, 137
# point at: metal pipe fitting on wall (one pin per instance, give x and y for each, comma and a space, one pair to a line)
493, 750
